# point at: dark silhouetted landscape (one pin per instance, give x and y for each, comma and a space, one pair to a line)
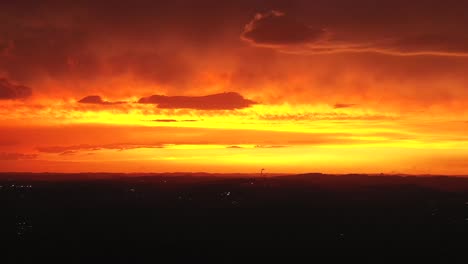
241, 214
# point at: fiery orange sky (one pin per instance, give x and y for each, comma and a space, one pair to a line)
291, 86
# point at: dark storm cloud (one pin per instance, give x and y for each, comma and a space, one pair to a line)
286, 32
276, 28
12, 91
95, 99
222, 101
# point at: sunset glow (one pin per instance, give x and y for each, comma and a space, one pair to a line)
233, 88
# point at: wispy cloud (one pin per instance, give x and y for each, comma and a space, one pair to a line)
17, 156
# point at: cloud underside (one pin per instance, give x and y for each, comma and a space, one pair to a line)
277, 30
97, 100
10, 91
340, 105
222, 101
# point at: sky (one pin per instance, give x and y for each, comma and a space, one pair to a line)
331, 86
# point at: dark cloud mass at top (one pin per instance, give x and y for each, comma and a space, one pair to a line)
67, 49
282, 30
275, 27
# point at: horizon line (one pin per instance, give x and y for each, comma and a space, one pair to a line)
245, 173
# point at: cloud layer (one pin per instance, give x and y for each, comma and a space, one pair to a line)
66, 150
71, 50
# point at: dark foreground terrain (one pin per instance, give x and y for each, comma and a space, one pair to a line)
126, 217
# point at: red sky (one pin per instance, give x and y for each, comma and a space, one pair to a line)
293, 86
